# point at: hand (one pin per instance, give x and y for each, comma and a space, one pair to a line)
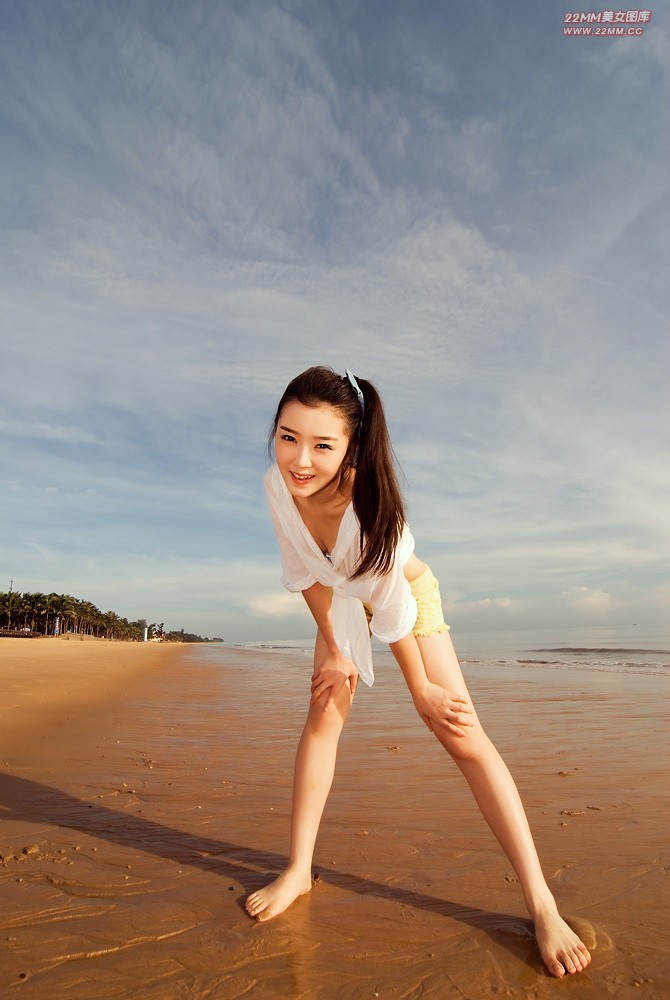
440, 707
331, 674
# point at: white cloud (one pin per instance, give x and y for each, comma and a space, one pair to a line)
47, 432
278, 605
216, 200
494, 602
584, 598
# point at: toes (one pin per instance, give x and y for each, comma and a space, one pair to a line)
556, 968
563, 963
258, 907
253, 906
576, 962
582, 959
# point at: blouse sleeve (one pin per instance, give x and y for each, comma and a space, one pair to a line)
393, 606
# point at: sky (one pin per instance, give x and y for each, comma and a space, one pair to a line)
202, 198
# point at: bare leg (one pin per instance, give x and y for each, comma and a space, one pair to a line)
496, 795
313, 777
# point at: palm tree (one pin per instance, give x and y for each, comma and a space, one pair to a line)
32, 604
111, 624
68, 611
48, 610
10, 604
90, 618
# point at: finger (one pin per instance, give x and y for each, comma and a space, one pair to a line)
455, 728
326, 703
335, 689
329, 701
318, 691
451, 727
458, 721
319, 681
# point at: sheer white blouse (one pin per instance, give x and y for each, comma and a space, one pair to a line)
304, 564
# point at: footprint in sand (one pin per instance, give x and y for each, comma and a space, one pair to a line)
523, 928
587, 932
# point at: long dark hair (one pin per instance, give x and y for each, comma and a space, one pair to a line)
378, 502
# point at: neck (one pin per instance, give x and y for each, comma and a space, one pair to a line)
333, 497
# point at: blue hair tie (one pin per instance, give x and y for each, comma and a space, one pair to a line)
361, 402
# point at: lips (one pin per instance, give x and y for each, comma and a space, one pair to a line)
301, 480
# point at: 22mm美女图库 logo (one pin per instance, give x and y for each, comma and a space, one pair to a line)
608, 17
606, 23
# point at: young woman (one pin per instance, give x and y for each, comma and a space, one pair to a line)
340, 523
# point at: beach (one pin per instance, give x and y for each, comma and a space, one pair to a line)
145, 791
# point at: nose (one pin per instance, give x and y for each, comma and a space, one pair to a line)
304, 459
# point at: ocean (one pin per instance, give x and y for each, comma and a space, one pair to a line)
632, 649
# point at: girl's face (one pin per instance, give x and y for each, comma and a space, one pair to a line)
310, 445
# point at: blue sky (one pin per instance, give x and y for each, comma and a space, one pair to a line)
201, 199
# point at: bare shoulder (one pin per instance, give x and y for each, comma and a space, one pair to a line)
413, 568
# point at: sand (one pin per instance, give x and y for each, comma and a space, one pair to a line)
145, 792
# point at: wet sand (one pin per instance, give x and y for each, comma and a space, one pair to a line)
145, 791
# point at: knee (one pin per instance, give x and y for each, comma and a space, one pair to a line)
465, 749
327, 721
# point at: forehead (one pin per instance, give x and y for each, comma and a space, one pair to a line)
313, 421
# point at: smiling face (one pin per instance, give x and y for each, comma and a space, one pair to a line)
310, 445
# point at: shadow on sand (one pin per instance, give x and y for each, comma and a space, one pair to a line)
30, 801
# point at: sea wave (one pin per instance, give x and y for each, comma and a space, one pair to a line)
603, 650
617, 658
608, 666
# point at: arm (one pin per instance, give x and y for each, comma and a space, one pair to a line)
435, 704
394, 617
333, 670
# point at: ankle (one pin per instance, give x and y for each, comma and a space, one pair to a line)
298, 870
541, 904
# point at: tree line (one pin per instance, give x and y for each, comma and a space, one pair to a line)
58, 614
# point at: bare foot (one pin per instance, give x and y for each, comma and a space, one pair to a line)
276, 897
561, 949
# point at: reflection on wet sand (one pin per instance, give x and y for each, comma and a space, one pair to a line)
133, 831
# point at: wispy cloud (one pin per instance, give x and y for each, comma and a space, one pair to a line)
464, 208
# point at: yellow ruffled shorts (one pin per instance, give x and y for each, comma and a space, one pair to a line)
426, 592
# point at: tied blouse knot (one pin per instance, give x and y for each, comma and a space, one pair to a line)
304, 564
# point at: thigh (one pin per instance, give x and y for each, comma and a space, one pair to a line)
441, 663
343, 699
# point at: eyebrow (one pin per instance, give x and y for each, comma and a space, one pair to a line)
317, 437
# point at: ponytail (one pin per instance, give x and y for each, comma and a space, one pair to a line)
378, 502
